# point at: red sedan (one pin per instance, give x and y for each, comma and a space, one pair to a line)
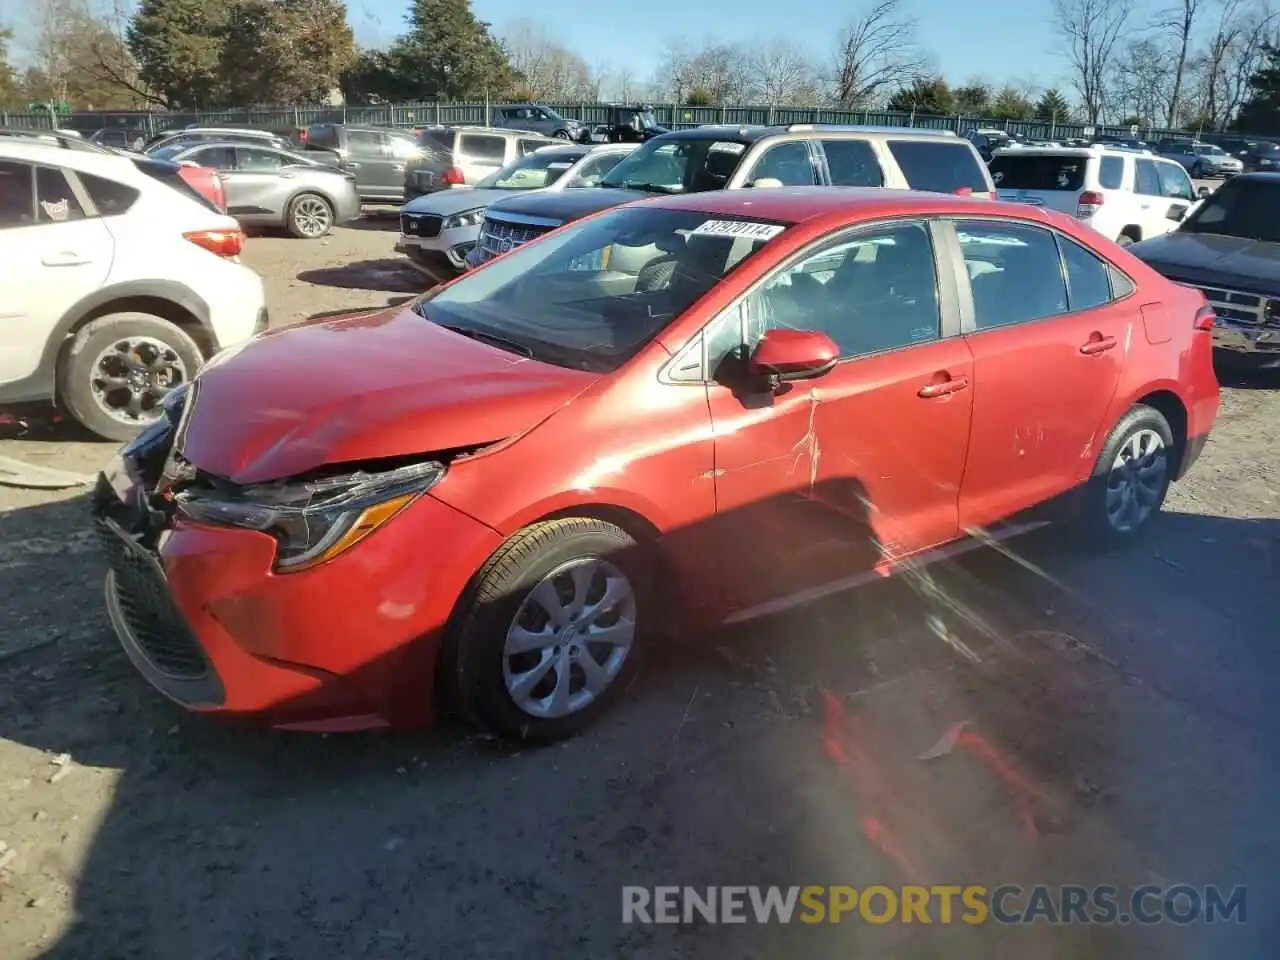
671, 415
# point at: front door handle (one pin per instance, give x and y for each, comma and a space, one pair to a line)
64, 258
943, 388
1097, 344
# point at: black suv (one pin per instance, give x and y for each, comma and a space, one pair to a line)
732, 158
378, 156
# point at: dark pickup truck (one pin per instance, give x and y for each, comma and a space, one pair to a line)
1229, 248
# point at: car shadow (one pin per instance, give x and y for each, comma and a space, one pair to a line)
1244, 379
393, 275
957, 724
380, 219
396, 301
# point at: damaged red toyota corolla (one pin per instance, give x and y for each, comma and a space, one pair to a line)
675, 414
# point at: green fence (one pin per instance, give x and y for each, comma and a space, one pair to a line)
670, 115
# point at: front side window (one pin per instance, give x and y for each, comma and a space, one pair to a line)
1249, 210
529, 146
17, 206
531, 172
939, 166
1174, 182
220, 158
1015, 273
678, 166
592, 170
592, 295
870, 292
55, 200
789, 163
483, 148
1147, 179
852, 163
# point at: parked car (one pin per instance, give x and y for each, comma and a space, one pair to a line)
265, 186
629, 124
1123, 195
1229, 248
122, 138
731, 158
987, 142
536, 118
1261, 157
194, 135
378, 156
1201, 160
463, 156
494, 496
440, 229
117, 280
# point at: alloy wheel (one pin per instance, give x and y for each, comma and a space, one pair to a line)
311, 216
132, 377
1136, 481
569, 639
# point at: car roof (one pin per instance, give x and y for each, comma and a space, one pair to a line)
748, 133
30, 150
797, 204
1267, 176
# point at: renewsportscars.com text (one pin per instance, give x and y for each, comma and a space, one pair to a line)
942, 904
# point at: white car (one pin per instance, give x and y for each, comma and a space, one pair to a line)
117, 282
439, 229
1124, 195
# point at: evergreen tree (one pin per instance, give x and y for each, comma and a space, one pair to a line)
447, 54
1053, 108
1261, 112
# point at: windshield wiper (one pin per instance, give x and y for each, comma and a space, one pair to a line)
493, 339
648, 187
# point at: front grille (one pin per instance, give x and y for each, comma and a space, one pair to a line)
499, 236
420, 225
154, 621
1236, 306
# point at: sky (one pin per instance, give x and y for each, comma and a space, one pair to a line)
1000, 40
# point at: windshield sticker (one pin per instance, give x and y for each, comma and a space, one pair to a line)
726, 146
738, 228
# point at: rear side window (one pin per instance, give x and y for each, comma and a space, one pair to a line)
55, 200
110, 198
529, 146
1015, 272
16, 195
258, 161
491, 149
852, 163
939, 166
1087, 282
1010, 172
364, 143
1111, 173
169, 173
220, 158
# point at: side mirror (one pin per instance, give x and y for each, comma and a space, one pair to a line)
1204, 193
793, 355
1176, 212
766, 182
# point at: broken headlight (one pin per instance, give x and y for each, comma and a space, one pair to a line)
314, 521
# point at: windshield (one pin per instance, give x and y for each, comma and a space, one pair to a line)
1208, 150
1266, 148
591, 295
531, 172
1248, 209
677, 166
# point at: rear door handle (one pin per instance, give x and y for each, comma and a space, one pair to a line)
943, 388
64, 258
1097, 344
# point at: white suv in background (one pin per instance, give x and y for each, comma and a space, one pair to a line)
117, 281
1124, 195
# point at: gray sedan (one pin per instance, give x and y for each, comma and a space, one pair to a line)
271, 187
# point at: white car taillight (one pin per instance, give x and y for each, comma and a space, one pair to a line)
1090, 203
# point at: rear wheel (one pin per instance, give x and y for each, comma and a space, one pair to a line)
118, 370
1130, 478
550, 632
562, 135
310, 216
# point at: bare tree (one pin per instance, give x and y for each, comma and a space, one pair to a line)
1140, 82
877, 52
1092, 29
713, 73
80, 54
551, 71
1178, 22
780, 73
1232, 55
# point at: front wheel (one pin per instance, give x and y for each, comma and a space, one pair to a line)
1130, 478
550, 632
562, 135
310, 217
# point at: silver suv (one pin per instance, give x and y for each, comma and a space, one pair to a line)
464, 155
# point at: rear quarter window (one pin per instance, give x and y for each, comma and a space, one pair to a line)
109, 197
941, 166
1038, 173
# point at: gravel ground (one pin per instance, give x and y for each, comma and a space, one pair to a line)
1119, 728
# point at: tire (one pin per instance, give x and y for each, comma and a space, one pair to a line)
1197, 172
310, 216
562, 135
501, 600
1124, 240
1096, 520
109, 347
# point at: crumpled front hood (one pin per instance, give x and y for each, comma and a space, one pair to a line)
364, 387
1209, 258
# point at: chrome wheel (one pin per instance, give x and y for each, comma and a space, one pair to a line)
570, 638
1136, 482
132, 377
311, 217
